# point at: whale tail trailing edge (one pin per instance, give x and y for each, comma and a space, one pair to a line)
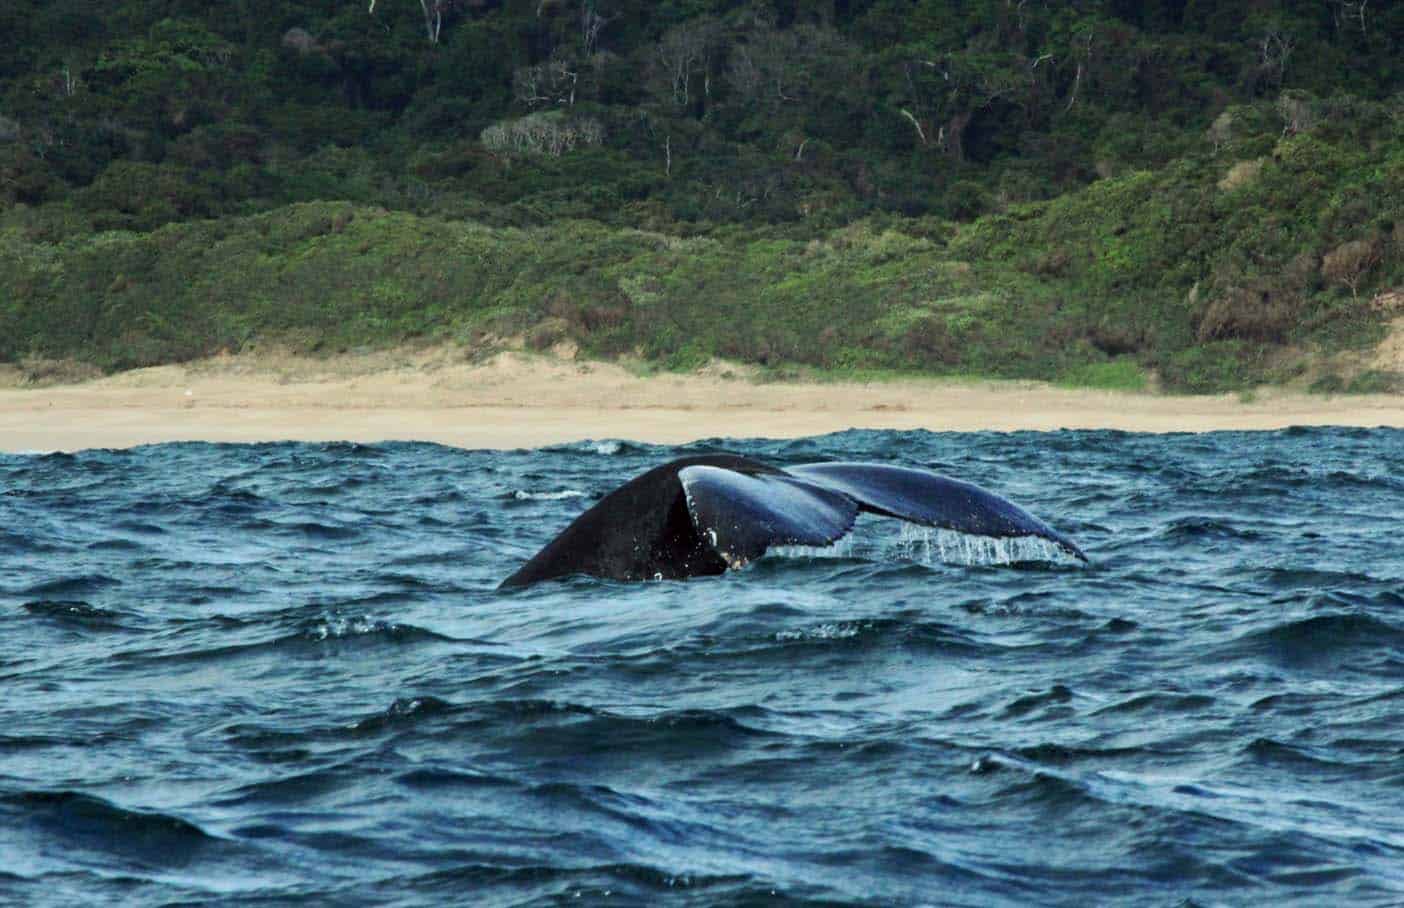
930, 499
701, 515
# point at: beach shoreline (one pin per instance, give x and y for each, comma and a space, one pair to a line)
515, 400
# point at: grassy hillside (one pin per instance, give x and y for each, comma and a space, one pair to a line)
1221, 269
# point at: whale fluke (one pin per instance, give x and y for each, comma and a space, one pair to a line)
741, 516
933, 500
701, 515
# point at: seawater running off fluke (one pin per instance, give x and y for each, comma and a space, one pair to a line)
701, 515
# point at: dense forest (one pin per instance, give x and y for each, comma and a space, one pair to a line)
1197, 193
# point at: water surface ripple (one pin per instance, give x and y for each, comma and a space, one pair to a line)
282, 673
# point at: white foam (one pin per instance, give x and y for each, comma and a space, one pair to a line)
842, 548
830, 631
345, 627
547, 496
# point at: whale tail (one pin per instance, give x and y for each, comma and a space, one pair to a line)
702, 515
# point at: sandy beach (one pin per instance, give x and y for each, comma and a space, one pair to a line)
517, 400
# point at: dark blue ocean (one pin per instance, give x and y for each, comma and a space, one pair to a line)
282, 674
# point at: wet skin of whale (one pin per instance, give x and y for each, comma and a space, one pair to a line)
701, 515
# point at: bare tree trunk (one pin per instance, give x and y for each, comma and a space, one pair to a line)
591, 24
955, 135
1274, 49
433, 17
1351, 9
921, 133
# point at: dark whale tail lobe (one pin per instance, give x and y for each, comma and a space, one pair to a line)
933, 500
741, 516
701, 515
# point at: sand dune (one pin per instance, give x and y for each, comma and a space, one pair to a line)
514, 400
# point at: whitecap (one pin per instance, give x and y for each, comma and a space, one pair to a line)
521, 495
827, 631
345, 627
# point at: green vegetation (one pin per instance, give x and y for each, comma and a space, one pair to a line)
1122, 374
1103, 194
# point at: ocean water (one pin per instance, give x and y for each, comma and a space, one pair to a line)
282, 674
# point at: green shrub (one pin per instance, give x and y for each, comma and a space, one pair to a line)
1376, 381
1116, 375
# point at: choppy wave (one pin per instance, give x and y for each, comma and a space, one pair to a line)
283, 674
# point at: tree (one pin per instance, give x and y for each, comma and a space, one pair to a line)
560, 79
434, 11
549, 83
683, 57
1350, 14
942, 95
1275, 47
591, 24
175, 78
1349, 263
769, 68
549, 133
